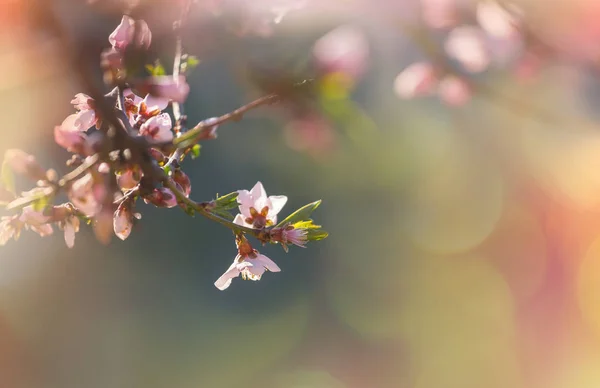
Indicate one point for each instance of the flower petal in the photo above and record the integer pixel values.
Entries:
(258, 191)
(225, 280)
(277, 203)
(267, 263)
(69, 235)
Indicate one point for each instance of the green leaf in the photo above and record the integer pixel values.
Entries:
(316, 234)
(41, 203)
(189, 62)
(195, 151)
(8, 178)
(167, 169)
(302, 214)
(156, 69)
(223, 213)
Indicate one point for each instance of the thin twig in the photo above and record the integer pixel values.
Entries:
(236, 115)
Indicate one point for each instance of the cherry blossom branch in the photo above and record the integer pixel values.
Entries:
(202, 209)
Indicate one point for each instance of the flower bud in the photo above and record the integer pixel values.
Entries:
(162, 197)
(183, 181)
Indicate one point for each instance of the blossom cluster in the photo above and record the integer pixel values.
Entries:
(125, 147)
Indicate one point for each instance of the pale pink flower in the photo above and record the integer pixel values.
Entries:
(123, 222)
(87, 116)
(82, 195)
(125, 33)
(129, 178)
(417, 80)
(439, 13)
(496, 20)
(158, 128)
(251, 267)
(344, 50)
(454, 91)
(24, 164)
(257, 210)
(10, 228)
(155, 103)
(162, 197)
(69, 134)
(310, 133)
(165, 86)
(36, 221)
(468, 46)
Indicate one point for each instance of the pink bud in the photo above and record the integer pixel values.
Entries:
(24, 164)
(126, 32)
(417, 80)
(123, 222)
(183, 181)
(162, 197)
(103, 225)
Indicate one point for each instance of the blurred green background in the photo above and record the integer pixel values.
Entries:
(464, 246)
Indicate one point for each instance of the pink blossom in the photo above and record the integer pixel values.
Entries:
(10, 228)
(310, 133)
(165, 86)
(344, 50)
(155, 102)
(125, 33)
(454, 91)
(24, 164)
(82, 194)
(251, 266)
(257, 210)
(36, 221)
(417, 80)
(467, 45)
(162, 197)
(158, 128)
(69, 134)
(123, 222)
(439, 13)
(128, 179)
(87, 116)
(496, 20)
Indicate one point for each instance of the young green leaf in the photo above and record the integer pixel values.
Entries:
(302, 214)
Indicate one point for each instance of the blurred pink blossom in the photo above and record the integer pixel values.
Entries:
(417, 80)
(125, 33)
(344, 50)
